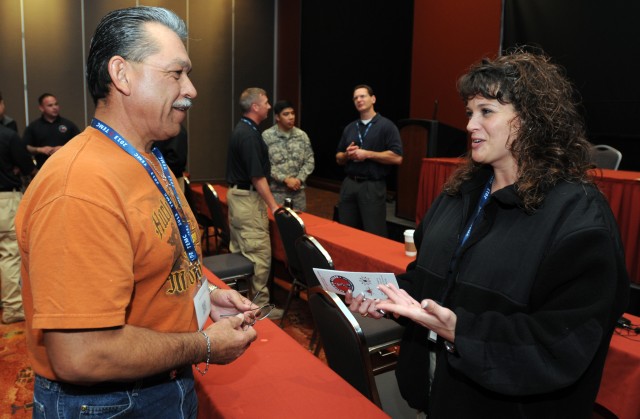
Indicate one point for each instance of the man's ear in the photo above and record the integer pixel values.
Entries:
(118, 68)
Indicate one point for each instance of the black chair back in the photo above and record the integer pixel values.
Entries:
(343, 342)
(291, 227)
(312, 255)
(203, 221)
(218, 219)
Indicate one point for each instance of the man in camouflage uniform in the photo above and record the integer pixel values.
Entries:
(291, 157)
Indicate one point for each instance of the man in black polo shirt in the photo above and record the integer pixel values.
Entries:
(13, 154)
(47, 134)
(248, 172)
(368, 148)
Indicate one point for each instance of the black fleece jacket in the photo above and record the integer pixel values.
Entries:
(536, 296)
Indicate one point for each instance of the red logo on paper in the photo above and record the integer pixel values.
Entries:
(341, 283)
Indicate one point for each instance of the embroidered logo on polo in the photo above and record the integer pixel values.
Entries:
(62, 128)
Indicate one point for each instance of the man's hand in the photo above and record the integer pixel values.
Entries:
(229, 339)
(293, 183)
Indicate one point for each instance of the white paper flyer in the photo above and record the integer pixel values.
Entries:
(358, 282)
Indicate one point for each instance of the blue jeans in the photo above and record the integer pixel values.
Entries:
(168, 399)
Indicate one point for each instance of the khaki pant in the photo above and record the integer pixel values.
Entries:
(249, 227)
(9, 254)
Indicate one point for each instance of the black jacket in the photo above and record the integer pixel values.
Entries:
(536, 298)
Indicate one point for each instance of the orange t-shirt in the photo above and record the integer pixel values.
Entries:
(101, 248)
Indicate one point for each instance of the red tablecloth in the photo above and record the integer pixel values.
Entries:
(621, 376)
(622, 189)
(277, 378)
(350, 249)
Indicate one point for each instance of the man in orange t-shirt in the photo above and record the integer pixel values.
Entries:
(114, 296)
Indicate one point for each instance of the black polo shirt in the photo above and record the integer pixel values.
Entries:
(13, 153)
(248, 155)
(42, 133)
(380, 134)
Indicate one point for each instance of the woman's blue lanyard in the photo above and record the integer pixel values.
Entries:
(362, 136)
(483, 200)
(183, 227)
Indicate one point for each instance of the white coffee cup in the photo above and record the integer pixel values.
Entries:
(409, 245)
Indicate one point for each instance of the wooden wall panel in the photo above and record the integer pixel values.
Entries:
(211, 118)
(11, 80)
(53, 45)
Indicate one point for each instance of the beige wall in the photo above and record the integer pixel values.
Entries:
(231, 44)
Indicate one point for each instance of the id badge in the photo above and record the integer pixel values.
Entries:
(202, 303)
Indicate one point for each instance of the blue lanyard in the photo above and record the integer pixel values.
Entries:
(483, 200)
(362, 136)
(248, 122)
(183, 227)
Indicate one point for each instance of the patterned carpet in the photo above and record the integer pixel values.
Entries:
(16, 376)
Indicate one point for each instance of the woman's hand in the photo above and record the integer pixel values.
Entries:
(427, 313)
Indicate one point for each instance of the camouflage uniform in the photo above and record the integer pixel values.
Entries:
(291, 156)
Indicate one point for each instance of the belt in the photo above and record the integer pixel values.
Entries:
(360, 178)
(113, 386)
(243, 186)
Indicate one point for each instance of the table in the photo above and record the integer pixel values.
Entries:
(277, 378)
(621, 375)
(622, 189)
(351, 249)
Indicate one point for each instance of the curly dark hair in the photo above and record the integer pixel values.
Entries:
(551, 143)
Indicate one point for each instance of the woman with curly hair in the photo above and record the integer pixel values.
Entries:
(520, 273)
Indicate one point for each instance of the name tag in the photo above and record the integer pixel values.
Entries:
(202, 304)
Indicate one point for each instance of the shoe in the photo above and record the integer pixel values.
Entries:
(276, 314)
(12, 316)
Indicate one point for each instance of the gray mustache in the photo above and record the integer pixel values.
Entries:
(185, 103)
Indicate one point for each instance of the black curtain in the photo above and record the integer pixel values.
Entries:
(598, 43)
(345, 43)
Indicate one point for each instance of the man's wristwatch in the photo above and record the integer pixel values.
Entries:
(212, 287)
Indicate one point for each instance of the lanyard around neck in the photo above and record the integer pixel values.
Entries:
(250, 123)
(481, 203)
(361, 137)
(183, 226)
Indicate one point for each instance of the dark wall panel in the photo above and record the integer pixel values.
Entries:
(598, 44)
(53, 44)
(11, 80)
(345, 43)
(254, 47)
(210, 120)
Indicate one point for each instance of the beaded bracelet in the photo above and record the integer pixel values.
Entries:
(206, 367)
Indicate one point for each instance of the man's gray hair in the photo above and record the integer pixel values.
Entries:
(122, 32)
(249, 96)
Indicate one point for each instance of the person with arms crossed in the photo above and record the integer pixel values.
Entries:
(114, 295)
(13, 154)
(520, 274)
(249, 196)
(290, 155)
(47, 134)
(368, 148)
